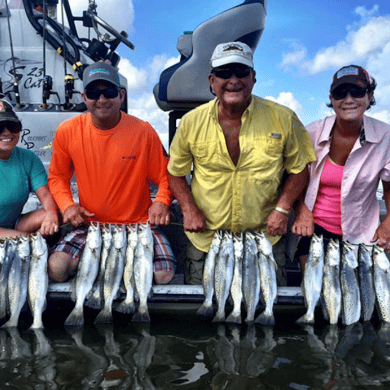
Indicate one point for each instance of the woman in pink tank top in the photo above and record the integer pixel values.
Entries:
(353, 154)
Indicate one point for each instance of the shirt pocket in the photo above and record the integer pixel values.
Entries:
(209, 158)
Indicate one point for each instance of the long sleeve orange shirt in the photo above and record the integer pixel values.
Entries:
(113, 168)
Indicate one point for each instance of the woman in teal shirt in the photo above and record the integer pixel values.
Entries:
(21, 172)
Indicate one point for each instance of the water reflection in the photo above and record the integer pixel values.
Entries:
(184, 352)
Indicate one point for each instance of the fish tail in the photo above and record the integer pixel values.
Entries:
(219, 317)
(205, 310)
(12, 322)
(142, 315)
(125, 307)
(305, 319)
(234, 318)
(104, 317)
(94, 302)
(37, 324)
(265, 319)
(75, 318)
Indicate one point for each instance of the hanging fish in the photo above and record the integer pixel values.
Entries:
(250, 276)
(223, 275)
(18, 280)
(86, 275)
(208, 275)
(143, 271)
(113, 274)
(312, 278)
(38, 279)
(127, 306)
(267, 269)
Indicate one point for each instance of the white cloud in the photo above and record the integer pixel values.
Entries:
(286, 99)
(361, 43)
(141, 101)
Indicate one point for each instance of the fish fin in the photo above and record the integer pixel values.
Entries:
(233, 318)
(205, 310)
(75, 318)
(265, 319)
(141, 316)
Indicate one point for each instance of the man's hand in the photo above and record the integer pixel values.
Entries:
(76, 215)
(194, 220)
(303, 224)
(277, 223)
(49, 225)
(382, 235)
(159, 214)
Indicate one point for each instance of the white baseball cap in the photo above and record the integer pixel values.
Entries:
(232, 52)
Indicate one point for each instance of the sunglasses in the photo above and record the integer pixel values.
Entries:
(342, 92)
(108, 93)
(227, 73)
(14, 128)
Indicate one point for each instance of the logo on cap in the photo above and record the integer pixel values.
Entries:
(232, 46)
(98, 70)
(347, 72)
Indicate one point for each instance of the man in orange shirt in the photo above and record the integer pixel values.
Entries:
(115, 156)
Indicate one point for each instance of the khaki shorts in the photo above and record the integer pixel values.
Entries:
(195, 259)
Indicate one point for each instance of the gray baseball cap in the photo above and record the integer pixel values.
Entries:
(100, 71)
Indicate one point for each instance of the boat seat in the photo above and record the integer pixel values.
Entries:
(185, 85)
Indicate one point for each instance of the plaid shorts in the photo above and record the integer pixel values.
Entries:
(164, 260)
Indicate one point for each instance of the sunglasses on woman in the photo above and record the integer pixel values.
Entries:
(108, 93)
(227, 73)
(342, 92)
(14, 128)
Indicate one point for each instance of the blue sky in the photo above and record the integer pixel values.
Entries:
(303, 44)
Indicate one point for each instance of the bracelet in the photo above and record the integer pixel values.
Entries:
(283, 211)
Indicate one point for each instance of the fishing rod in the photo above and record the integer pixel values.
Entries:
(15, 80)
(68, 78)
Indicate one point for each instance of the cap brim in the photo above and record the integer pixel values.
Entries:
(9, 118)
(231, 60)
(347, 80)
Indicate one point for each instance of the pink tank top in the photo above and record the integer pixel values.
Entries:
(327, 209)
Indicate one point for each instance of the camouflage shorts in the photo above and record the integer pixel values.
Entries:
(194, 264)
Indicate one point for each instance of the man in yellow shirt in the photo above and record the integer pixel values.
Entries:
(239, 146)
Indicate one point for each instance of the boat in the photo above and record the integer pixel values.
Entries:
(43, 95)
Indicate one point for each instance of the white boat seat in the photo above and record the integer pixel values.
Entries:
(185, 84)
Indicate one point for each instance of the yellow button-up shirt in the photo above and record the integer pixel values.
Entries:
(241, 197)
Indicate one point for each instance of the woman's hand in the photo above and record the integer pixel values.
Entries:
(382, 235)
(303, 224)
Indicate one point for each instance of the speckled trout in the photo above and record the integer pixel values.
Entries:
(114, 272)
(206, 309)
(382, 282)
(38, 279)
(312, 278)
(86, 274)
(331, 282)
(18, 280)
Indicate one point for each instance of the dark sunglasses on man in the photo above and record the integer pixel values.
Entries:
(13, 127)
(342, 91)
(227, 73)
(108, 93)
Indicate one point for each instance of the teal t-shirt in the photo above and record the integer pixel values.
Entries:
(21, 174)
